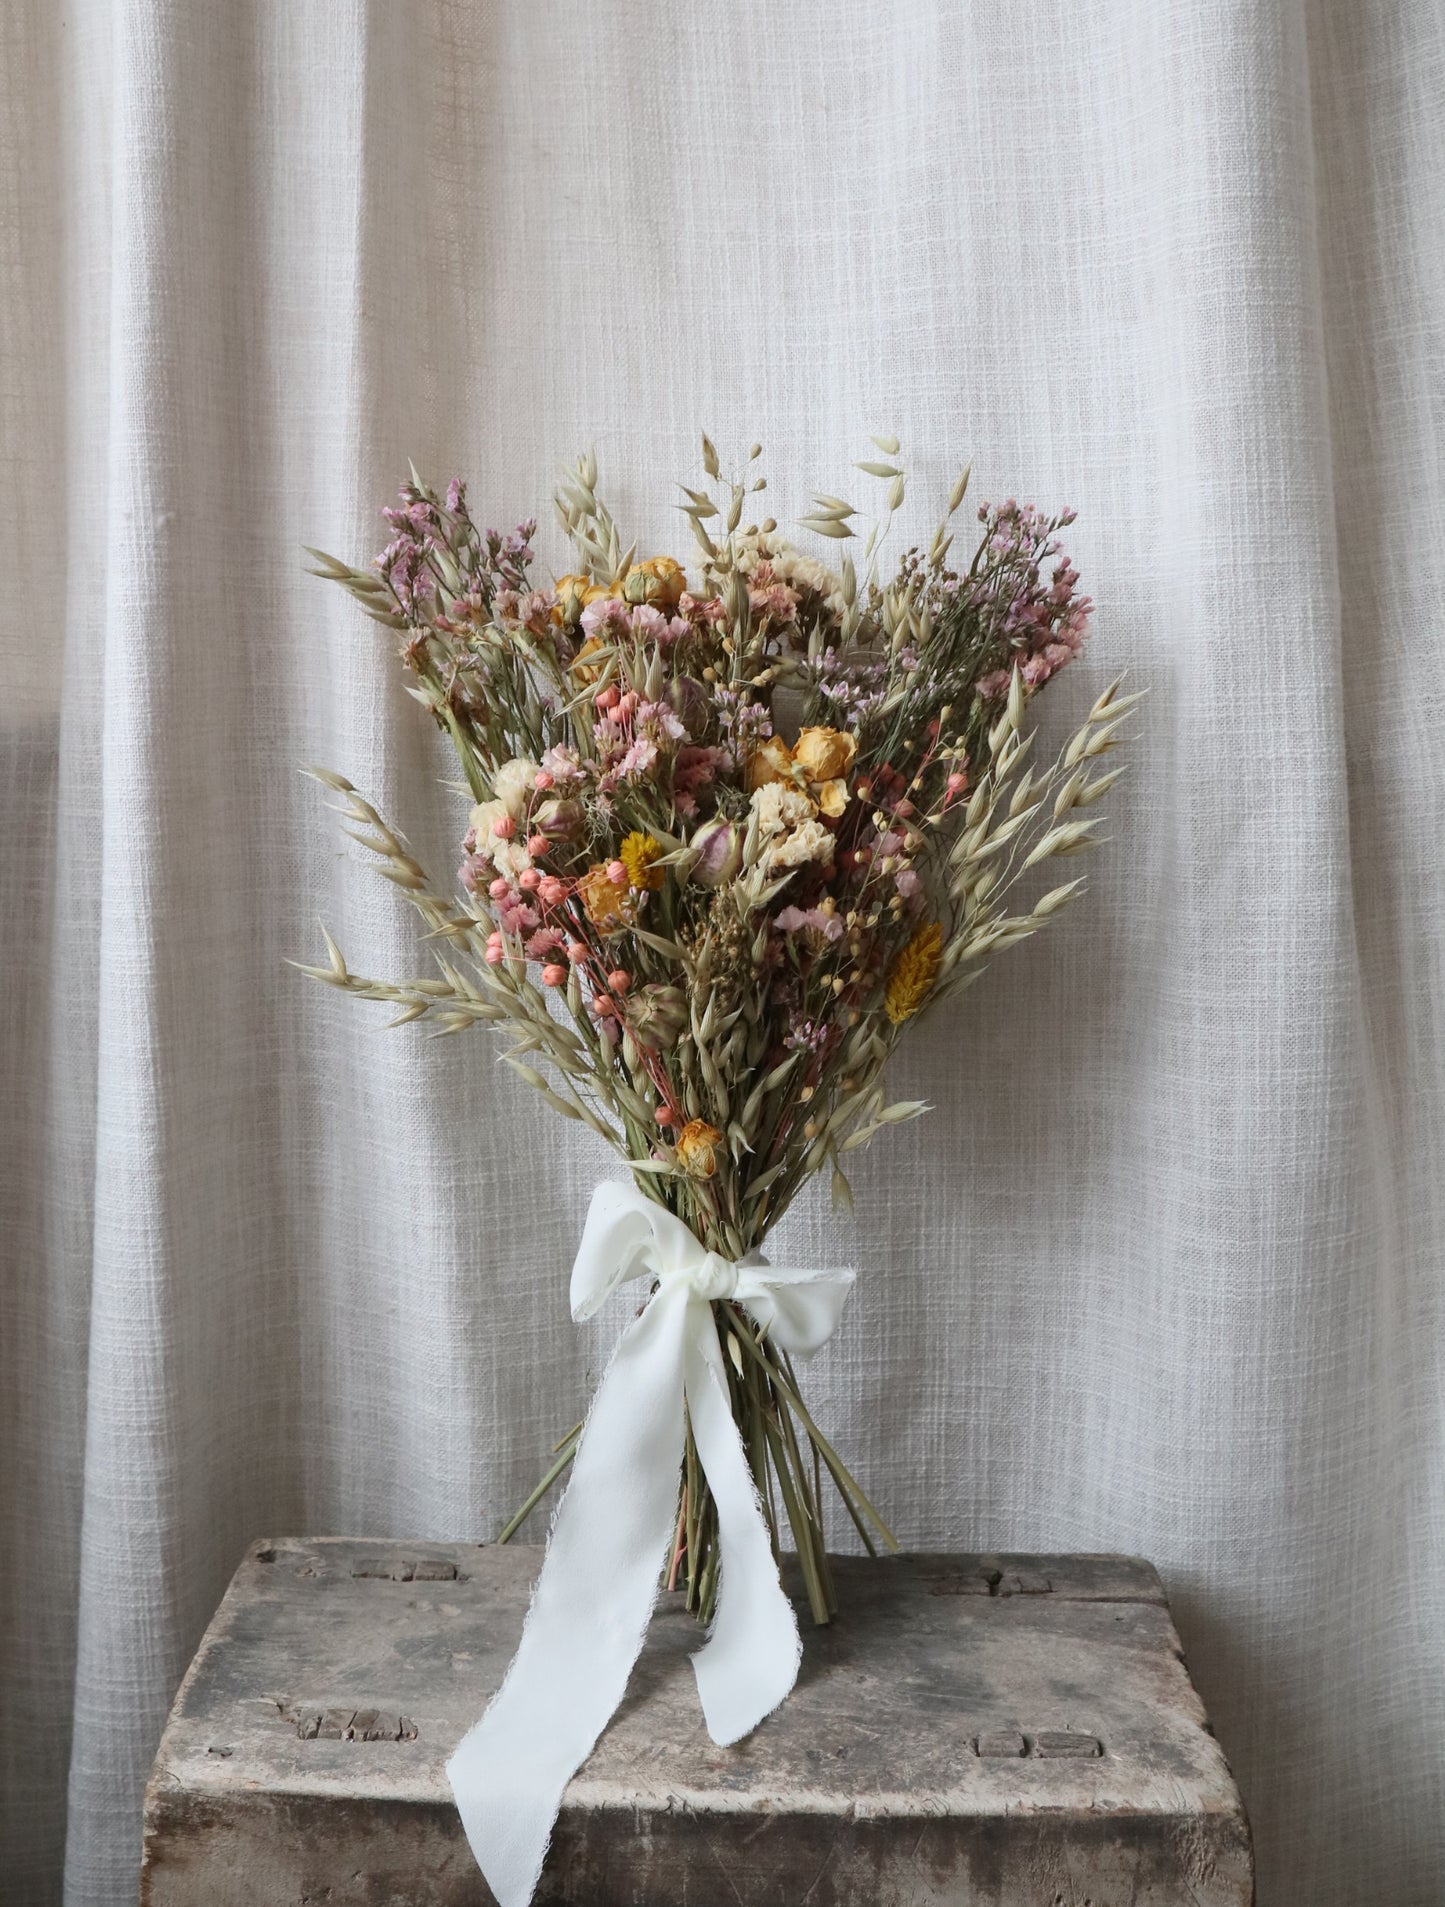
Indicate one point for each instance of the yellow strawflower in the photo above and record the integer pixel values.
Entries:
(638, 854)
(914, 972)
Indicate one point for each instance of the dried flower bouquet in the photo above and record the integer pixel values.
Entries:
(732, 833)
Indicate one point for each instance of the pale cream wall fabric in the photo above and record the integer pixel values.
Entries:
(1162, 1272)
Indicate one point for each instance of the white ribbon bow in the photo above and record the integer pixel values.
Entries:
(614, 1529)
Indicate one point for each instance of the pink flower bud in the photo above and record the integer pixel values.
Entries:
(603, 1004)
(617, 873)
(500, 888)
(552, 892)
(608, 699)
(504, 827)
(576, 952)
(553, 975)
(537, 844)
(544, 781)
(905, 808)
(495, 955)
(717, 853)
(626, 705)
(957, 783)
(666, 1116)
(620, 980)
(530, 878)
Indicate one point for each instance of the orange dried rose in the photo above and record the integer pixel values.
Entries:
(605, 902)
(697, 1146)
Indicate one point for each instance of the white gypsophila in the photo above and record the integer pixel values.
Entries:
(482, 818)
(511, 857)
(512, 784)
(790, 565)
(508, 854)
(806, 572)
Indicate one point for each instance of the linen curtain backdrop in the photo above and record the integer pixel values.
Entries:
(1161, 1272)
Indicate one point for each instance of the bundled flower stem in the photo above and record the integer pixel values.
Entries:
(731, 834)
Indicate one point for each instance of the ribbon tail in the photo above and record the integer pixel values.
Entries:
(749, 1662)
(589, 1611)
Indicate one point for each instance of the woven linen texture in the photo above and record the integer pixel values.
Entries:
(1162, 1271)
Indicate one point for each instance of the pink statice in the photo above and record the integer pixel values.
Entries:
(648, 623)
(695, 768)
(632, 735)
(517, 917)
(606, 616)
(796, 920)
(696, 610)
(529, 609)
(545, 942)
(640, 759)
(564, 767)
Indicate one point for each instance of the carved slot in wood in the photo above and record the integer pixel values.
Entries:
(387, 1569)
(1050, 1744)
(1065, 1745)
(353, 1724)
(993, 1582)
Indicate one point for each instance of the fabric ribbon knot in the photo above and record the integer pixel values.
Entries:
(615, 1526)
(714, 1278)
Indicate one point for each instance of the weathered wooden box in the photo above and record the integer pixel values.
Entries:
(1001, 1731)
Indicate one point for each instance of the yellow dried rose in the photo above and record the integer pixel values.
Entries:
(832, 798)
(586, 665)
(639, 854)
(914, 972)
(772, 761)
(697, 1146)
(659, 581)
(573, 595)
(824, 754)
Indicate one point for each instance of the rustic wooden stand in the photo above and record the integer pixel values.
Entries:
(1000, 1731)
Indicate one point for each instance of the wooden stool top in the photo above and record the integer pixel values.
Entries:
(988, 1729)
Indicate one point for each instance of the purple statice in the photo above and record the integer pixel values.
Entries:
(809, 1036)
(851, 681)
(506, 557)
(1029, 594)
(404, 565)
(743, 722)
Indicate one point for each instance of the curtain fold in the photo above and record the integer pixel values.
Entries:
(1163, 1266)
